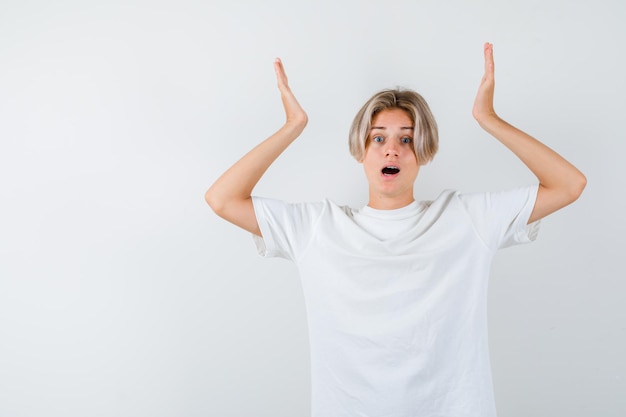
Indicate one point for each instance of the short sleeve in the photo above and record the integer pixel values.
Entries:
(500, 218)
(287, 228)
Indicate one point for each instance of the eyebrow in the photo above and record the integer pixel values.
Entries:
(383, 128)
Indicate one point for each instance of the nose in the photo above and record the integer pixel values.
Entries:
(391, 149)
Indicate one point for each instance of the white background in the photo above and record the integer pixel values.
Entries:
(122, 294)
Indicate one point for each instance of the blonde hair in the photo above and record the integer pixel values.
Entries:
(426, 136)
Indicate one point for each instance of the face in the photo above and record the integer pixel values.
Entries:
(390, 163)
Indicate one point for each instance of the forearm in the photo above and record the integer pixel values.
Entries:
(551, 169)
(560, 183)
(230, 195)
(239, 180)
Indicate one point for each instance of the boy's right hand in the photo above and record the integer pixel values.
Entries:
(293, 111)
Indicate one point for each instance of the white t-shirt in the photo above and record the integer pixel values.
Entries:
(397, 299)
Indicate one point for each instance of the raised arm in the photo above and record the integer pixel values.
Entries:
(230, 196)
(560, 183)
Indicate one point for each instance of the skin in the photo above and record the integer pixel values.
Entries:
(390, 143)
(230, 195)
(560, 183)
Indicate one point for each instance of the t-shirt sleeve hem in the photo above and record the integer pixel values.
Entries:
(528, 232)
(265, 245)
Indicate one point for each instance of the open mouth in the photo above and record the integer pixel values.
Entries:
(390, 170)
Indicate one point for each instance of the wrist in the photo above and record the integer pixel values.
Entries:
(489, 121)
(297, 122)
(293, 127)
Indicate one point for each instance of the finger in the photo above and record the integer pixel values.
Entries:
(280, 73)
(489, 64)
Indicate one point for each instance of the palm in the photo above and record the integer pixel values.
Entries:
(293, 110)
(483, 104)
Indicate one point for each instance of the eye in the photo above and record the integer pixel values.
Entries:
(377, 139)
(406, 140)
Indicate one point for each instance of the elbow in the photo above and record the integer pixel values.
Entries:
(577, 187)
(214, 201)
(224, 205)
(567, 191)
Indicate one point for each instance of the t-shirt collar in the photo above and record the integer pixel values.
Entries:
(400, 213)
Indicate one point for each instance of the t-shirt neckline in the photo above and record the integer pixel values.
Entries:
(409, 210)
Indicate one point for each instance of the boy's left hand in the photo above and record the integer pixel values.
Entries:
(483, 109)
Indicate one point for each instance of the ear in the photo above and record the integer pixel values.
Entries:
(363, 152)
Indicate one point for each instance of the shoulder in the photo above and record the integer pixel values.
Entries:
(512, 197)
(443, 200)
(488, 203)
(311, 209)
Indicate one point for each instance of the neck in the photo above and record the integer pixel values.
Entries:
(389, 203)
